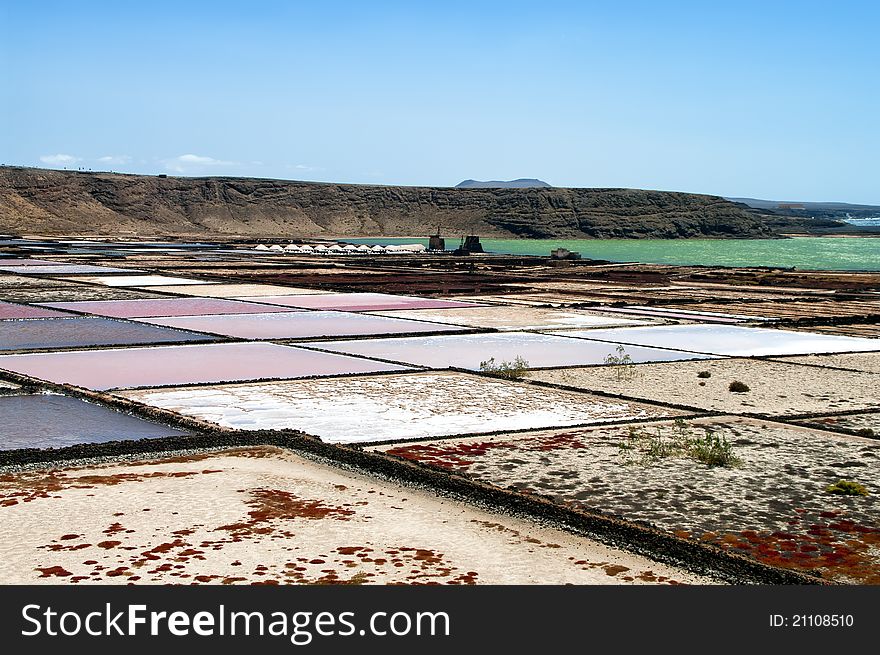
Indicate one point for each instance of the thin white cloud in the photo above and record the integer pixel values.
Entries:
(59, 159)
(190, 163)
(303, 167)
(114, 160)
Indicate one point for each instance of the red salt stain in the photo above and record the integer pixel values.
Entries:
(69, 536)
(614, 569)
(348, 550)
(51, 571)
(108, 544)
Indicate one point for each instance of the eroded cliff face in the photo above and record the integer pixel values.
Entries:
(37, 201)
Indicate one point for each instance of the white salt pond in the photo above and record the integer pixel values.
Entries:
(731, 340)
(390, 407)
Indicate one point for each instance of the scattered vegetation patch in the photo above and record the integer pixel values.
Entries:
(866, 432)
(738, 387)
(623, 363)
(713, 450)
(508, 370)
(847, 488)
(644, 447)
(704, 374)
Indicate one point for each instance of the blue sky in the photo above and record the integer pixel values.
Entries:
(767, 99)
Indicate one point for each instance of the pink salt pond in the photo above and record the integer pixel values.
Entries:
(359, 302)
(180, 365)
(22, 261)
(64, 269)
(164, 307)
(300, 324)
(11, 310)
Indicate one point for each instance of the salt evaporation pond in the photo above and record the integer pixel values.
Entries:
(361, 302)
(175, 365)
(468, 351)
(65, 269)
(239, 291)
(76, 332)
(300, 324)
(147, 308)
(513, 318)
(138, 280)
(388, 407)
(10, 310)
(54, 421)
(23, 261)
(732, 340)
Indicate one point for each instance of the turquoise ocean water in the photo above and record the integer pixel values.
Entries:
(807, 253)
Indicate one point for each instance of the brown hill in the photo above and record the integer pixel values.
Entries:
(38, 201)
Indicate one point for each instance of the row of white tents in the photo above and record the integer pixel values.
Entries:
(338, 249)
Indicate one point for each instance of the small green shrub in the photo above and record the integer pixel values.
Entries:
(710, 449)
(847, 488)
(865, 432)
(738, 387)
(624, 365)
(704, 374)
(508, 370)
(713, 450)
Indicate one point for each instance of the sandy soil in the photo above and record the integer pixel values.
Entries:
(776, 388)
(772, 505)
(869, 362)
(864, 422)
(385, 407)
(269, 517)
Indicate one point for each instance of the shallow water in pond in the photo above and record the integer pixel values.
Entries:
(167, 365)
(732, 340)
(52, 421)
(164, 307)
(360, 302)
(300, 324)
(76, 332)
(468, 351)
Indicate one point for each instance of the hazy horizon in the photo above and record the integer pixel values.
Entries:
(740, 100)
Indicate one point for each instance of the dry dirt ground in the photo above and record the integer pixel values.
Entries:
(771, 504)
(775, 388)
(266, 516)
